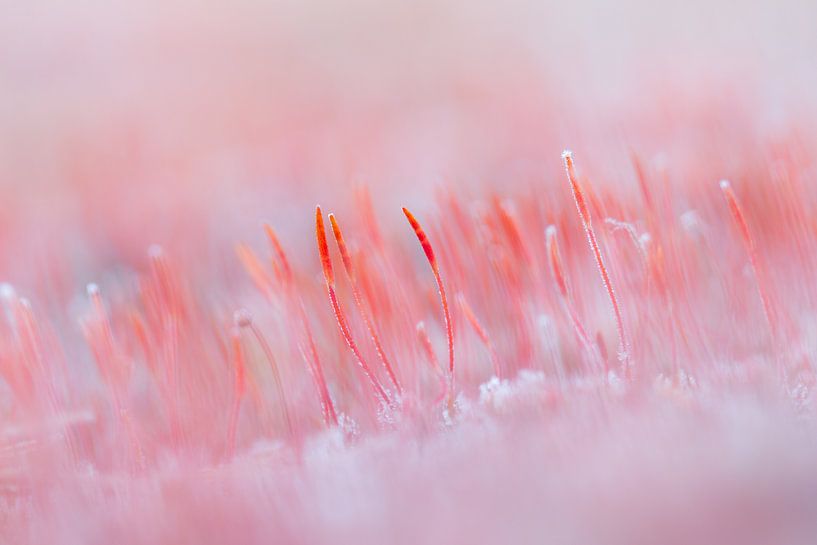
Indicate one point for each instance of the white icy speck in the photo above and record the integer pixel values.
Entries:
(690, 220)
(7, 291)
(500, 395)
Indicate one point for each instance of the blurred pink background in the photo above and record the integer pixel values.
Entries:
(134, 122)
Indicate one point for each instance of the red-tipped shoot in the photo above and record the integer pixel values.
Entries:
(751, 249)
(348, 267)
(435, 269)
(584, 215)
(329, 277)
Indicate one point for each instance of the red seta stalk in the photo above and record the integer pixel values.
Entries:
(329, 277)
(754, 258)
(310, 353)
(346, 259)
(481, 333)
(584, 215)
(435, 269)
(557, 270)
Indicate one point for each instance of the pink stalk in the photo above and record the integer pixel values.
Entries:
(584, 214)
(511, 228)
(244, 320)
(330, 414)
(557, 270)
(656, 260)
(751, 249)
(101, 340)
(286, 269)
(346, 259)
(239, 387)
(169, 306)
(481, 333)
(31, 339)
(629, 228)
(311, 356)
(435, 269)
(329, 277)
(428, 349)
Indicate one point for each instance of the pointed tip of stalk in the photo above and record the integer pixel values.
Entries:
(252, 265)
(411, 219)
(335, 227)
(323, 247)
(345, 258)
(409, 216)
(432, 261)
(725, 185)
(278, 250)
(422, 238)
(567, 155)
(92, 289)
